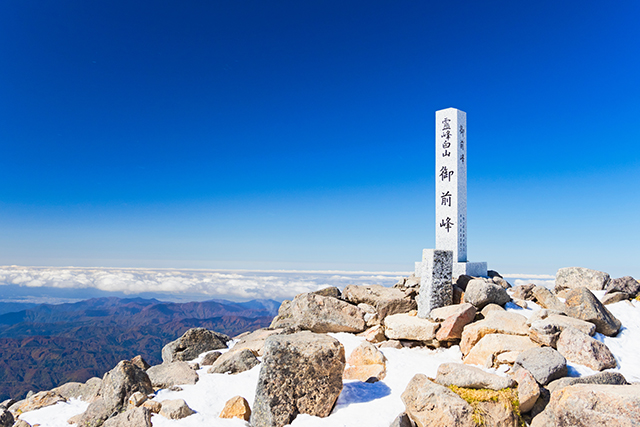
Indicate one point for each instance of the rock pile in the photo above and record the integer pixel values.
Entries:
(302, 368)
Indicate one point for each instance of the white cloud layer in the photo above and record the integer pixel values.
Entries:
(229, 284)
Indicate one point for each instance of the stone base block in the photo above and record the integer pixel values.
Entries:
(476, 269)
(436, 289)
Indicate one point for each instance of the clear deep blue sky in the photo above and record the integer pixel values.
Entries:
(300, 134)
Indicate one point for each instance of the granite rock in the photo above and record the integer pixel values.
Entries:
(116, 387)
(490, 346)
(578, 347)
(528, 389)
(497, 322)
(193, 343)
(234, 362)
(321, 314)
(466, 376)
(451, 328)
(210, 358)
(431, 404)
(406, 327)
(134, 417)
(366, 363)
(236, 407)
(615, 297)
(480, 293)
(386, 301)
(544, 363)
(524, 292)
(254, 341)
(607, 377)
(626, 284)
(579, 277)
(167, 375)
(175, 409)
(583, 305)
(301, 373)
(548, 300)
(589, 405)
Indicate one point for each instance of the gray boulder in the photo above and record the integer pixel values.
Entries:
(167, 375)
(578, 347)
(611, 378)
(234, 362)
(117, 385)
(134, 417)
(467, 376)
(301, 373)
(583, 305)
(578, 277)
(320, 314)
(386, 301)
(6, 418)
(175, 409)
(589, 405)
(626, 284)
(480, 293)
(193, 343)
(544, 363)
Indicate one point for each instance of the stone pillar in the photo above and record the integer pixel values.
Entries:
(436, 289)
(451, 190)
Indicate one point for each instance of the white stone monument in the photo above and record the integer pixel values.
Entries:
(451, 192)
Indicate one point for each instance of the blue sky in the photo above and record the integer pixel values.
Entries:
(299, 135)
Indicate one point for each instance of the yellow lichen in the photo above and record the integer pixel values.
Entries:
(508, 396)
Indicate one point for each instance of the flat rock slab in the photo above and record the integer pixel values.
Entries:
(301, 373)
(497, 322)
(491, 345)
(611, 378)
(386, 301)
(562, 322)
(578, 347)
(466, 376)
(167, 375)
(579, 277)
(406, 327)
(583, 305)
(544, 363)
(317, 313)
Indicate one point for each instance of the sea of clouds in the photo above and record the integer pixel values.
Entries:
(36, 284)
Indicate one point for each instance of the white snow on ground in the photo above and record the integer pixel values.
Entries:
(360, 404)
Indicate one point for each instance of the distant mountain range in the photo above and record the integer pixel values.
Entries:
(47, 345)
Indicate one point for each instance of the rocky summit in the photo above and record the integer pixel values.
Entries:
(499, 356)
